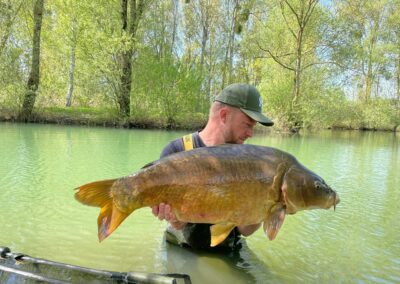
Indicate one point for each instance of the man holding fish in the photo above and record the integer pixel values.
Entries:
(233, 115)
(212, 195)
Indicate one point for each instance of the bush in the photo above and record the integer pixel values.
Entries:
(380, 113)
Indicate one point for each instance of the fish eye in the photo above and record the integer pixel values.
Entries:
(317, 185)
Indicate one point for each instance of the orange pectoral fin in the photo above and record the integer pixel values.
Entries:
(219, 232)
(274, 221)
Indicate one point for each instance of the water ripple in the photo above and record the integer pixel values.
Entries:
(356, 243)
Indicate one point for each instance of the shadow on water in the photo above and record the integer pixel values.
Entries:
(237, 266)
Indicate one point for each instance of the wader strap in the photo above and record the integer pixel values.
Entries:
(187, 142)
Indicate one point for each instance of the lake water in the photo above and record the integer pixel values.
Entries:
(40, 165)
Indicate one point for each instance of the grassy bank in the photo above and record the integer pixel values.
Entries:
(109, 118)
(103, 117)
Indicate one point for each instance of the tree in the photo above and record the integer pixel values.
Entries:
(11, 78)
(200, 27)
(166, 85)
(229, 51)
(73, 41)
(363, 24)
(34, 76)
(394, 55)
(129, 28)
(290, 39)
(304, 55)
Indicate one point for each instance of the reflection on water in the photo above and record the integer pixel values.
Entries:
(238, 266)
(359, 242)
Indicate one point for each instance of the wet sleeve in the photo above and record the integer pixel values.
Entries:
(172, 147)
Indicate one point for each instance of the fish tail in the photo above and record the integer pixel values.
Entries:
(99, 194)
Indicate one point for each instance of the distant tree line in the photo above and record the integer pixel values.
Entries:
(317, 63)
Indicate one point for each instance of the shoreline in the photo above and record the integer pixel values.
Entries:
(110, 121)
(96, 120)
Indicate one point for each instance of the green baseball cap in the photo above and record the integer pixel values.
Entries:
(247, 98)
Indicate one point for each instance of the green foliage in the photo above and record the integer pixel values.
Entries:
(80, 111)
(12, 83)
(175, 75)
(276, 88)
(174, 92)
(327, 109)
(380, 114)
(320, 106)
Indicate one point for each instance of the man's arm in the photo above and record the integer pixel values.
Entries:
(163, 212)
(247, 230)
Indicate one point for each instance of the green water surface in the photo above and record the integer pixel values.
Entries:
(40, 165)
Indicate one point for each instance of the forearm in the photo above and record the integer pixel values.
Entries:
(164, 212)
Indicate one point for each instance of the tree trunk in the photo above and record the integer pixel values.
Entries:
(72, 65)
(298, 68)
(136, 11)
(302, 16)
(227, 68)
(33, 80)
(397, 103)
(368, 82)
(398, 79)
(205, 35)
(175, 25)
(205, 32)
(371, 50)
(294, 118)
(369, 76)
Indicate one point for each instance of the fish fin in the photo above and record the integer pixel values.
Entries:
(219, 232)
(109, 219)
(98, 194)
(95, 193)
(274, 221)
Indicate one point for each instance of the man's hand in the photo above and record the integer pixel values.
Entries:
(164, 212)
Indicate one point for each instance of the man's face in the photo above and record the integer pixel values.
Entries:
(239, 126)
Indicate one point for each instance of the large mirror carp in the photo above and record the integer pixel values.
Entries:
(227, 185)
